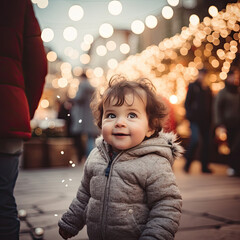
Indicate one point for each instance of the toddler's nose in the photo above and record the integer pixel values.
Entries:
(120, 122)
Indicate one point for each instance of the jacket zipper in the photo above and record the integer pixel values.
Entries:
(107, 170)
(106, 194)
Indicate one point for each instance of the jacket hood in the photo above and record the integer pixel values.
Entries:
(165, 145)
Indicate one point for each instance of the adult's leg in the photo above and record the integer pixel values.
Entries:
(234, 144)
(9, 222)
(205, 149)
(191, 149)
(90, 144)
(79, 146)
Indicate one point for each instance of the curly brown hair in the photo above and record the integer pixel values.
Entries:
(118, 88)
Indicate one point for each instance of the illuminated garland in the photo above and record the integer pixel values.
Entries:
(213, 43)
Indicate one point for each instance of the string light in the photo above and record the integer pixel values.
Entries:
(85, 58)
(47, 35)
(76, 13)
(51, 56)
(151, 21)
(70, 33)
(106, 30)
(173, 63)
(167, 12)
(115, 7)
(137, 27)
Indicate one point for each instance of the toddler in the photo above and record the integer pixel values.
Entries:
(128, 190)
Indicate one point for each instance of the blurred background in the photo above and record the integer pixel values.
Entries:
(167, 41)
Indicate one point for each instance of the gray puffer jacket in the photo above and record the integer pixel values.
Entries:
(137, 200)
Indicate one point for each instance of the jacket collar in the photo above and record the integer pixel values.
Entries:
(165, 145)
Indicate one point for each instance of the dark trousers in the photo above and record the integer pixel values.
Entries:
(83, 144)
(9, 222)
(80, 146)
(197, 134)
(233, 138)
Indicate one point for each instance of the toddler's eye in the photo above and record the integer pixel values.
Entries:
(110, 115)
(132, 115)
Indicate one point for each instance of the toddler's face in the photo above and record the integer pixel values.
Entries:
(125, 126)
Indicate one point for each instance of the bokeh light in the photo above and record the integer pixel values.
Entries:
(137, 27)
(75, 13)
(47, 34)
(70, 34)
(151, 21)
(167, 12)
(106, 30)
(51, 56)
(115, 7)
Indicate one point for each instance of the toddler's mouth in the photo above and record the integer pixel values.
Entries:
(120, 134)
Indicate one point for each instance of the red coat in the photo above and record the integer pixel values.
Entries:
(23, 67)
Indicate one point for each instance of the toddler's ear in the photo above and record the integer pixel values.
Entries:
(150, 132)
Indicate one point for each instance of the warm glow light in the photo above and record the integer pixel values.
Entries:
(151, 21)
(77, 71)
(115, 7)
(112, 63)
(111, 45)
(137, 27)
(47, 34)
(214, 42)
(213, 11)
(42, 3)
(88, 38)
(223, 149)
(167, 12)
(173, 99)
(85, 46)
(70, 34)
(183, 51)
(75, 13)
(55, 83)
(66, 67)
(215, 63)
(194, 19)
(85, 58)
(62, 82)
(51, 56)
(161, 67)
(106, 30)
(98, 72)
(101, 50)
(173, 3)
(124, 48)
(44, 103)
(223, 75)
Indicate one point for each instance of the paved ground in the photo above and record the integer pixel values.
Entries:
(211, 203)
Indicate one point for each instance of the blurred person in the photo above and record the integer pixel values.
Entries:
(64, 113)
(82, 123)
(198, 105)
(23, 67)
(227, 119)
(128, 190)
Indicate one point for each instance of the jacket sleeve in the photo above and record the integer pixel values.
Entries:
(34, 60)
(73, 220)
(164, 201)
